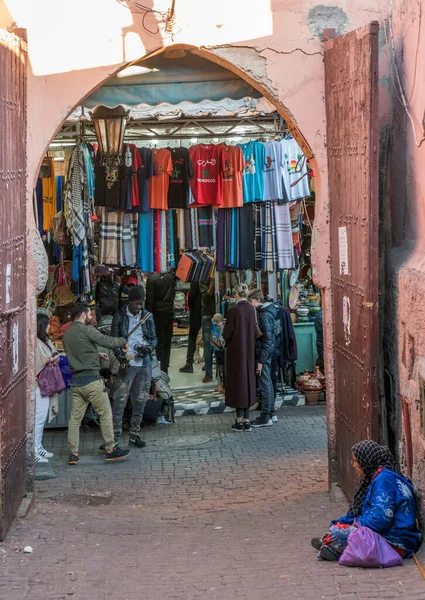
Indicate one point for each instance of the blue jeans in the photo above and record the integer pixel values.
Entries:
(265, 386)
(206, 338)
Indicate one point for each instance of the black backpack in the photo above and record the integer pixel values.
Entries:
(107, 296)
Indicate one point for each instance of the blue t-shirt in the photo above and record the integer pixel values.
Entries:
(254, 156)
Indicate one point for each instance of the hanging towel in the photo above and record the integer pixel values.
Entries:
(285, 253)
(157, 241)
(206, 239)
(194, 227)
(219, 244)
(246, 237)
(163, 245)
(172, 255)
(145, 250)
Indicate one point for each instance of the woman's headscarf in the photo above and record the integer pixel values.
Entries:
(370, 457)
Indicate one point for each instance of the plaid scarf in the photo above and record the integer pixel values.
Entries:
(370, 457)
(258, 237)
(268, 238)
(285, 253)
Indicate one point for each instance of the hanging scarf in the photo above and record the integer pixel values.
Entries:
(370, 457)
(284, 241)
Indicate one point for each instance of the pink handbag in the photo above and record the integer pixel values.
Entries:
(50, 380)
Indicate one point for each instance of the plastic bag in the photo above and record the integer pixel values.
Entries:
(366, 548)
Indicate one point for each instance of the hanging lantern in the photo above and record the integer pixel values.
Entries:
(109, 125)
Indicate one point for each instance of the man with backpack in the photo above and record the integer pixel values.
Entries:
(137, 326)
(264, 349)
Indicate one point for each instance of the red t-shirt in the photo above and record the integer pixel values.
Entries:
(207, 182)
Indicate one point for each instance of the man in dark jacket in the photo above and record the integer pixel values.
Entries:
(195, 322)
(137, 326)
(160, 293)
(264, 349)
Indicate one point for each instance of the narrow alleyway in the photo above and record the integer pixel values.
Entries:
(200, 513)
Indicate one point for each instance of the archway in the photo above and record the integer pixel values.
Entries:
(259, 86)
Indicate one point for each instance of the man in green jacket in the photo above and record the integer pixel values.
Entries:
(81, 343)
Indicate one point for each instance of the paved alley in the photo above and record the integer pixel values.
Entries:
(202, 512)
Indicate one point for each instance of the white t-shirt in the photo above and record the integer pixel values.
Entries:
(273, 172)
(295, 166)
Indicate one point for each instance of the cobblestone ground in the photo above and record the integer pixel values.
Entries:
(202, 512)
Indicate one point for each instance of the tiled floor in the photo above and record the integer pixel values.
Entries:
(184, 381)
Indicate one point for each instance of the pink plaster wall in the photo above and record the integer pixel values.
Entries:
(405, 229)
(275, 43)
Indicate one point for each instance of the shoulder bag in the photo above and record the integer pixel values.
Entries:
(258, 332)
(50, 380)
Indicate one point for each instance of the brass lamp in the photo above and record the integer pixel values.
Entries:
(109, 125)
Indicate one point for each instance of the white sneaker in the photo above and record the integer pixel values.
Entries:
(43, 452)
(275, 419)
(161, 420)
(40, 459)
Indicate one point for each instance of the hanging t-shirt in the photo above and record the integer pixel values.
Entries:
(178, 192)
(207, 182)
(232, 177)
(274, 188)
(295, 166)
(159, 182)
(144, 173)
(254, 155)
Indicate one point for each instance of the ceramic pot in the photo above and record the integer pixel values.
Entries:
(312, 384)
(305, 376)
(318, 374)
(311, 398)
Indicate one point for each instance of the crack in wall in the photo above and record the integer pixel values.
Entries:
(291, 51)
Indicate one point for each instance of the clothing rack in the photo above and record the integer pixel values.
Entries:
(176, 129)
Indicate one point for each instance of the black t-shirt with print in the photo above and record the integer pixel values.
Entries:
(178, 191)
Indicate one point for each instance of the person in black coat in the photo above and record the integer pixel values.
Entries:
(239, 335)
(160, 294)
(195, 322)
(264, 350)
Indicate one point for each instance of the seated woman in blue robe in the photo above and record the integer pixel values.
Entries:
(384, 501)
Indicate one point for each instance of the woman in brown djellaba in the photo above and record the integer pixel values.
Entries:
(239, 334)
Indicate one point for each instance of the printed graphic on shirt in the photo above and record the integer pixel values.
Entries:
(176, 176)
(294, 166)
(206, 170)
(249, 165)
(229, 171)
(269, 164)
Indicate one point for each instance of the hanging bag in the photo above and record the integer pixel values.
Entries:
(61, 293)
(368, 549)
(60, 230)
(50, 380)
